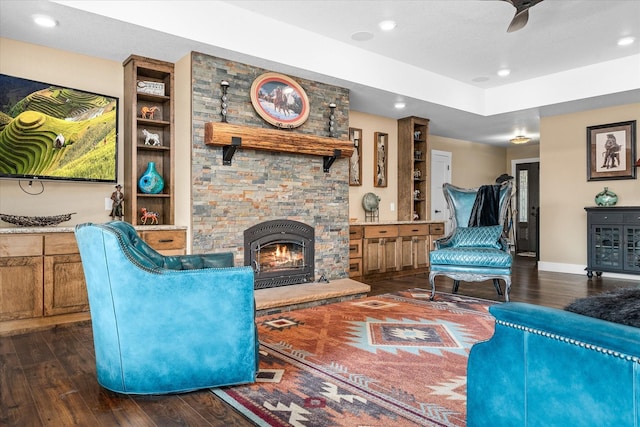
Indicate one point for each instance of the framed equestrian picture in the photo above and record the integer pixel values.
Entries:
(611, 151)
(279, 100)
(355, 162)
(380, 152)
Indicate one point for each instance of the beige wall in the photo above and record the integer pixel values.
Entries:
(370, 124)
(472, 164)
(518, 152)
(564, 189)
(76, 71)
(94, 75)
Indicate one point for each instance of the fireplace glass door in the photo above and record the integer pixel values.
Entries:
(281, 253)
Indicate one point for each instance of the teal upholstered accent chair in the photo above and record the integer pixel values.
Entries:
(166, 324)
(475, 250)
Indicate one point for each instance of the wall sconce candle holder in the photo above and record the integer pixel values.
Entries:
(332, 126)
(223, 100)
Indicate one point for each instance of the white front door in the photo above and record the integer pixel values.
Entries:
(440, 173)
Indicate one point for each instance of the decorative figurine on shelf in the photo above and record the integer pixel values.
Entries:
(151, 138)
(117, 208)
(416, 194)
(153, 216)
(148, 112)
(417, 174)
(416, 217)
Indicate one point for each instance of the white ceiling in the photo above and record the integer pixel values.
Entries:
(441, 60)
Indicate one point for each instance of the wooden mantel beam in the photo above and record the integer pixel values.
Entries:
(285, 141)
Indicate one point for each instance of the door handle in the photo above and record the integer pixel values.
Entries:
(437, 211)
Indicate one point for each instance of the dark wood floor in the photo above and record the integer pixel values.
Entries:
(47, 378)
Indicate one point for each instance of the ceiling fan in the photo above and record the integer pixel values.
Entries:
(522, 13)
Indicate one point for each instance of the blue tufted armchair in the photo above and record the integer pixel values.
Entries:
(475, 250)
(166, 324)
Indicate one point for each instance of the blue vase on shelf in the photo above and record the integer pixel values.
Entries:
(151, 181)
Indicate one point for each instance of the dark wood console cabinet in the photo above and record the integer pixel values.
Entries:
(613, 240)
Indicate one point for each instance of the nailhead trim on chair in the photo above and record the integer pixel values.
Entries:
(126, 252)
(578, 343)
(155, 270)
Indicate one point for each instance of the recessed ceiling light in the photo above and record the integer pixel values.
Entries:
(626, 41)
(504, 72)
(362, 36)
(480, 79)
(387, 25)
(45, 21)
(399, 105)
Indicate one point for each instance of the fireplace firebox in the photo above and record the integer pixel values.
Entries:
(281, 253)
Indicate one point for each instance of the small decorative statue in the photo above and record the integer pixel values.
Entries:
(151, 138)
(417, 174)
(117, 208)
(153, 216)
(148, 112)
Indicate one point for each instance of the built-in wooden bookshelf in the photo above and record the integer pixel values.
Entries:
(414, 180)
(148, 107)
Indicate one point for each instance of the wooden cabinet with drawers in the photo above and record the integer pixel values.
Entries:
(64, 287)
(42, 281)
(355, 251)
(379, 250)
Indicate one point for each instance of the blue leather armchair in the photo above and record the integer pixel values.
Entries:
(474, 252)
(166, 324)
(549, 367)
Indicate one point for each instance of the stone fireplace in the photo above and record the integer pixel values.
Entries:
(262, 186)
(281, 253)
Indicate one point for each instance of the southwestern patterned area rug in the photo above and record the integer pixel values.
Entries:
(391, 360)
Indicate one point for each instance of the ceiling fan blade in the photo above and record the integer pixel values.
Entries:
(519, 21)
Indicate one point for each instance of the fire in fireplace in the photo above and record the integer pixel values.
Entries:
(281, 253)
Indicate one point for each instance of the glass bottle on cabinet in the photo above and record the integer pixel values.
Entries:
(413, 176)
(149, 137)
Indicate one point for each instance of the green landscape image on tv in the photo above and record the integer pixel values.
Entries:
(56, 133)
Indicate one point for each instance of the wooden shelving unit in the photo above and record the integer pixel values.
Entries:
(414, 156)
(148, 106)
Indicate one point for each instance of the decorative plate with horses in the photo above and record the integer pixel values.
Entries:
(279, 100)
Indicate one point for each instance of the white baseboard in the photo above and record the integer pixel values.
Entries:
(557, 267)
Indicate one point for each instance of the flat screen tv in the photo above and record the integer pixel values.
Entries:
(51, 132)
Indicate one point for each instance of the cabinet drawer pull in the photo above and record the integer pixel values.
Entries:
(165, 240)
(382, 231)
(415, 230)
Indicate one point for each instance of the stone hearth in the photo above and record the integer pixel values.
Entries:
(293, 297)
